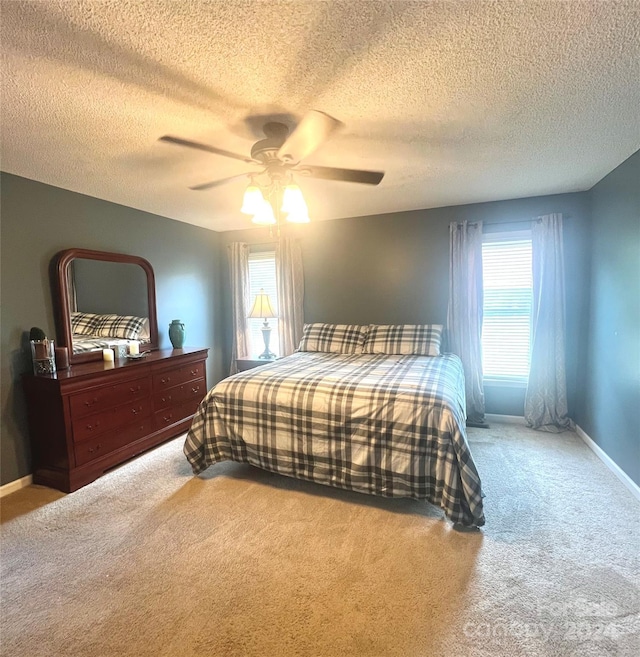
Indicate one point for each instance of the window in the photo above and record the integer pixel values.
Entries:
(262, 275)
(508, 294)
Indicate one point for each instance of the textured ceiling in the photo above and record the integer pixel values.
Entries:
(458, 102)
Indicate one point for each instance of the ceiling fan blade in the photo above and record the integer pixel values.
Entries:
(314, 129)
(217, 183)
(345, 175)
(205, 147)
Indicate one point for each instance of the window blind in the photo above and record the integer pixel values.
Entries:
(262, 275)
(508, 294)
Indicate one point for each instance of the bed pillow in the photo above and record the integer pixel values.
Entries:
(404, 339)
(333, 338)
(127, 327)
(84, 323)
(145, 334)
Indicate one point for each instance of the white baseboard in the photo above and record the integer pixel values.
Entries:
(505, 419)
(13, 486)
(610, 463)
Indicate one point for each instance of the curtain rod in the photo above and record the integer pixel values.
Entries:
(518, 221)
(250, 244)
(484, 223)
(500, 223)
(272, 243)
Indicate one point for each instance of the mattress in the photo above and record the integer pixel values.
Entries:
(384, 425)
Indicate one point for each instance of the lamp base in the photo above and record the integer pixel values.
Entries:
(267, 354)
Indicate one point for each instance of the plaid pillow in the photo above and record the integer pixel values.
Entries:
(416, 339)
(333, 338)
(119, 326)
(84, 323)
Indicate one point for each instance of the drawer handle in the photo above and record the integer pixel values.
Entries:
(195, 390)
(168, 418)
(97, 447)
(194, 372)
(91, 402)
(91, 427)
(165, 380)
(167, 398)
(135, 411)
(134, 389)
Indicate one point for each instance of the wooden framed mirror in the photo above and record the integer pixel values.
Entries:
(103, 297)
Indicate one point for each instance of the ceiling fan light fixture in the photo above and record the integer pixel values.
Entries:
(271, 201)
(264, 215)
(298, 218)
(253, 200)
(293, 201)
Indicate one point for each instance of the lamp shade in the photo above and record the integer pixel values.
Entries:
(264, 214)
(262, 306)
(252, 201)
(293, 202)
(298, 218)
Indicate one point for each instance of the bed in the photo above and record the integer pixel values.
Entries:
(91, 332)
(378, 423)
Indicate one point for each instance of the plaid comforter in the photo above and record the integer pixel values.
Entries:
(84, 343)
(379, 424)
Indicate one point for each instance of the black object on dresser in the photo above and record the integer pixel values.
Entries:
(94, 416)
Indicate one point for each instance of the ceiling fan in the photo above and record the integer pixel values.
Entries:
(282, 153)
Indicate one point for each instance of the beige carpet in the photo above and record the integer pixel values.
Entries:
(151, 561)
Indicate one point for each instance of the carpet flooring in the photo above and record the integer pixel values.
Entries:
(151, 561)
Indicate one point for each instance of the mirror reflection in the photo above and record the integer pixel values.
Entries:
(108, 304)
(104, 300)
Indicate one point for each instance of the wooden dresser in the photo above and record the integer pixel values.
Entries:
(96, 415)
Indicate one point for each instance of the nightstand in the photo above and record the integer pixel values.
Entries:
(249, 363)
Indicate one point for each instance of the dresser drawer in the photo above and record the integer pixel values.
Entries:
(179, 394)
(179, 375)
(86, 403)
(174, 414)
(118, 416)
(101, 445)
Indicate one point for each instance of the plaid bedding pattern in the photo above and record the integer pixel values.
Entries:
(84, 323)
(385, 425)
(126, 327)
(84, 343)
(119, 326)
(333, 338)
(418, 339)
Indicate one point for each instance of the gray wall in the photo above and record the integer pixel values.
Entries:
(37, 222)
(609, 402)
(394, 268)
(388, 268)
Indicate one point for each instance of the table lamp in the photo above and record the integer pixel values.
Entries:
(263, 309)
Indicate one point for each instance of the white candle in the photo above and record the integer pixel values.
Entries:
(108, 355)
(134, 348)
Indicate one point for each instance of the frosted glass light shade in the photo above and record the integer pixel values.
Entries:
(298, 217)
(293, 202)
(252, 201)
(264, 214)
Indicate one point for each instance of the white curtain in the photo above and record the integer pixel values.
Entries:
(464, 320)
(290, 280)
(239, 276)
(545, 405)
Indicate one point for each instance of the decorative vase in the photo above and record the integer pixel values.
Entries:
(176, 334)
